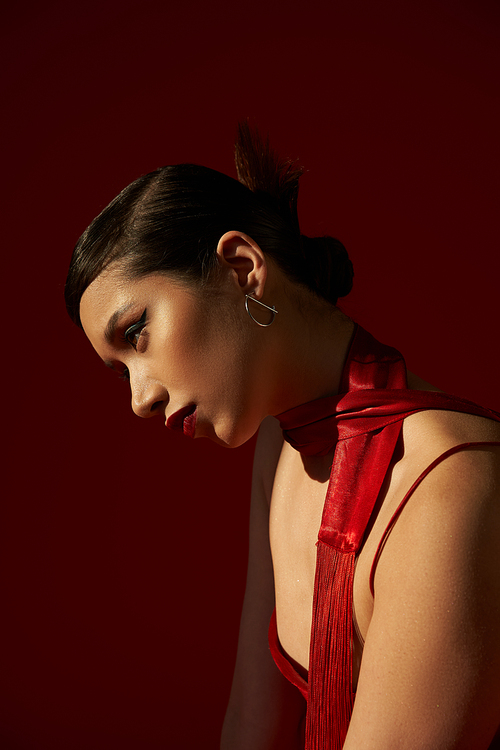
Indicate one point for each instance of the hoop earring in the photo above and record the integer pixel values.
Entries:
(271, 309)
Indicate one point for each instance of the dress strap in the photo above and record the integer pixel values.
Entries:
(397, 513)
(282, 660)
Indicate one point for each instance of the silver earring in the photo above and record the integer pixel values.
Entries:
(271, 309)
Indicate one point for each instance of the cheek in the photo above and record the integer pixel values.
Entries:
(235, 399)
(208, 357)
(217, 341)
(194, 354)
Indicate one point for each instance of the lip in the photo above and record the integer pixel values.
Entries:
(183, 420)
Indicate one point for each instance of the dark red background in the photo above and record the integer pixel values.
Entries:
(123, 547)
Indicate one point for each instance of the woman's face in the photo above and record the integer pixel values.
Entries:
(186, 352)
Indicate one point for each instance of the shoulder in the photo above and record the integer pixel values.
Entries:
(432, 647)
(446, 424)
(444, 428)
(428, 435)
(445, 491)
(457, 492)
(454, 466)
(440, 561)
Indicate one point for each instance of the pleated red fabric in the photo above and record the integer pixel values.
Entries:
(363, 424)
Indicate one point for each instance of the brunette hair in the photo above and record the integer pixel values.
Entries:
(171, 221)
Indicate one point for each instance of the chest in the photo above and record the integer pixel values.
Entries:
(296, 510)
(297, 504)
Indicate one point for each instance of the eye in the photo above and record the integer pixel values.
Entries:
(133, 332)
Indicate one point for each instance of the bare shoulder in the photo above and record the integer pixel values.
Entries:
(451, 524)
(428, 434)
(450, 427)
(456, 506)
(432, 653)
(467, 478)
(433, 431)
(459, 494)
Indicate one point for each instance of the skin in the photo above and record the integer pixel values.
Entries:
(429, 673)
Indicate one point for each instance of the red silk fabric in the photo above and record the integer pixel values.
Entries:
(362, 423)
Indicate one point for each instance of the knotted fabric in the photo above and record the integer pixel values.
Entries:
(362, 424)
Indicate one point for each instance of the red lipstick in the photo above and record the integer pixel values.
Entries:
(184, 420)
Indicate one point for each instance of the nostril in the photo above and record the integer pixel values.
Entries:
(156, 405)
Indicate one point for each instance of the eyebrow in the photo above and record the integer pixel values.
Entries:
(110, 330)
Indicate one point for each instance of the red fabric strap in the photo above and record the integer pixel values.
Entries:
(363, 426)
(282, 661)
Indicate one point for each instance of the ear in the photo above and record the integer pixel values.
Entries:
(244, 261)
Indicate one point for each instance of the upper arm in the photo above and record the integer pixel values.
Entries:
(430, 673)
(262, 702)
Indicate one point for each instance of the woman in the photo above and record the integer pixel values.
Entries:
(383, 599)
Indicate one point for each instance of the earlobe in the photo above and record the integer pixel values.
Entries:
(245, 262)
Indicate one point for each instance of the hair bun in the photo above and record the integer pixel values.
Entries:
(328, 266)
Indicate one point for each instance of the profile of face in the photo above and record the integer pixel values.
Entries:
(188, 351)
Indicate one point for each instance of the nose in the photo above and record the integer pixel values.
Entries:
(149, 397)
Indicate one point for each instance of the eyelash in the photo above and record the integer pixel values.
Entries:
(133, 330)
(129, 333)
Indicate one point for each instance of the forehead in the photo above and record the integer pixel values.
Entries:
(111, 291)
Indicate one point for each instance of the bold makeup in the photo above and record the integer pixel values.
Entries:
(134, 330)
(184, 420)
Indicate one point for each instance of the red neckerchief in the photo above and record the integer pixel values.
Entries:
(363, 424)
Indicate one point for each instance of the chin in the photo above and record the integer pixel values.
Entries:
(233, 436)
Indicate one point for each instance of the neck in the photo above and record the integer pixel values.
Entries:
(309, 352)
